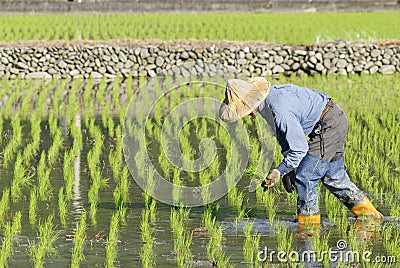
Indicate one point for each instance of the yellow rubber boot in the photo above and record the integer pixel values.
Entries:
(366, 208)
(313, 219)
(308, 225)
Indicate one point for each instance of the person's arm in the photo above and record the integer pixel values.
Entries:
(293, 142)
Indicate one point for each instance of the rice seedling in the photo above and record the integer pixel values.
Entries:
(33, 206)
(284, 238)
(121, 191)
(182, 239)
(43, 178)
(44, 247)
(112, 241)
(4, 206)
(68, 171)
(251, 245)
(62, 207)
(147, 252)
(79, 242)
(150, 204)
(21, 178)
(214, 248)
(10, 232)
(269, 200)
(15, 142)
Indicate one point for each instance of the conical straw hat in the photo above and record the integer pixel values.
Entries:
(242, 97)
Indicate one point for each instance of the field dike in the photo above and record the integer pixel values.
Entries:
(127, 58)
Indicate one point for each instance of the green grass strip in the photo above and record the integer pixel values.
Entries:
(289, 28)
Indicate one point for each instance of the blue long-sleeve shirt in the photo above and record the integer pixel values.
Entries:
(295, 112)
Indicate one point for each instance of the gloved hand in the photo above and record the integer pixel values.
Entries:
(271, 180)
(288, 181)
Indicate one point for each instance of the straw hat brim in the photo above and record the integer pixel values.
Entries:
(242, 97)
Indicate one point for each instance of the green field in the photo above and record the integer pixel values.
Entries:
(305, 28)
(62, 168)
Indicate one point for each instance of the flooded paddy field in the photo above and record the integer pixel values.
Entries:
(70, 196)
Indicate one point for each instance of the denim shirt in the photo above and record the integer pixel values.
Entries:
(295, 112)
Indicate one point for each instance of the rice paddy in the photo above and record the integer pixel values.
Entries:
(289, 28)
(69, 199)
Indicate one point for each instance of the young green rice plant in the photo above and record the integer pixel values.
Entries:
(10, 232)
(55, 148)
(4, 206)
(68, 171)
(320, 241)
(33, 206)
(333, 207)
(270, 203)
(150, 204)
(176, 191)
(62, 207)
(32, 148)
(251, 245)
(21, 179)
(182, 239)
(43, 175)
(15, 142)
(26, 102)
(121, 191)
(284, 237)
(79, 242)
(105, 114)
(44, 247)
(214, 248)
(112, 241)
(147, 253)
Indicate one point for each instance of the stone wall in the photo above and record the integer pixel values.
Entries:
(61, 61)
(157, 6)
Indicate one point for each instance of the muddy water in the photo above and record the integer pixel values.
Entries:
(130, 243)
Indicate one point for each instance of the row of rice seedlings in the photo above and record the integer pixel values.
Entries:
(215, 247)
(112, 241)
(182, 238)
(89, 103)
(69, 172)
(20, 179)
(62, 207)
(284, 238)
(79, 242)
(45, 189)
(93, 160)
(44, 246)
(391, 240)
(32, 148)
(27, 100)
(251, 245)
(11, 231)
(121, 191)
(4, 206)
(149, 215)
(57, 144)
(270, 203)
(33, 206)
(15, 142)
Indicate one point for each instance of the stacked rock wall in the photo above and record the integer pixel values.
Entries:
(105, 60)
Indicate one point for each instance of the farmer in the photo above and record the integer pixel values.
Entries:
(297, 113)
